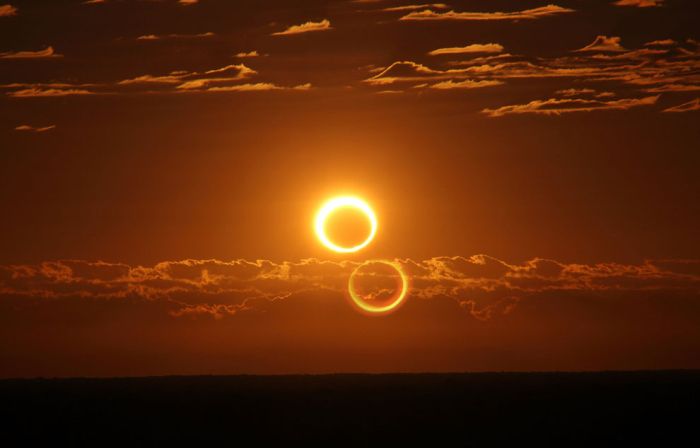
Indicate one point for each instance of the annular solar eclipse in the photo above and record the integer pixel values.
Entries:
(336, 204)
(362, 303)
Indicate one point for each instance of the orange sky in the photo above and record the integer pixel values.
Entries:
(533, 168)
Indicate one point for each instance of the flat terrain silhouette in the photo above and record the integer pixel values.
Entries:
(467, 409)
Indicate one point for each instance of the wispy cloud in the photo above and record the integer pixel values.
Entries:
(556, 106)
(47, 52)
(528, 14)
(307, 27)
(639, 3)
(690, 106)
(30, 128)
(473, 48)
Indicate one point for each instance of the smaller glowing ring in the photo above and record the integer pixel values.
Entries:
(400, 298)
(331, 206)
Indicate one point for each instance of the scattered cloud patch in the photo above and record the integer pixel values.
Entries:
(625, 73)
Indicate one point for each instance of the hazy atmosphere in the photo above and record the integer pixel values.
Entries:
(531, 168)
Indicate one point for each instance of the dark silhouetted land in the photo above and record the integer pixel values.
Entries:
(470, 409)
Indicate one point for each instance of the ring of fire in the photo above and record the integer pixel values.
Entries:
(400, 296)
(333, 205)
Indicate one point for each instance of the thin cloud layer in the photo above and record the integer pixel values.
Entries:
(323, 25)
(482, 285)
(528, 14)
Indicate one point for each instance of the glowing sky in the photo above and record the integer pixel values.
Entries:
(533, 168)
